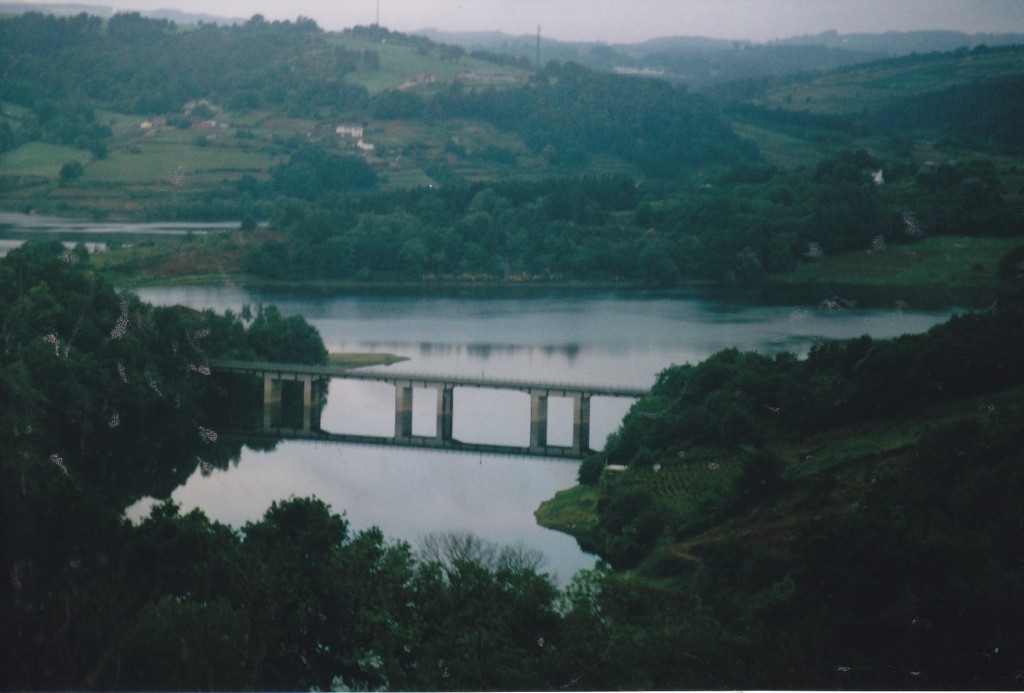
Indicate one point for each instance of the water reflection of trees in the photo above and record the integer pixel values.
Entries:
(485, 351)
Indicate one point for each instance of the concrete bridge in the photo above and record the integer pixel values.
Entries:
(312, 379)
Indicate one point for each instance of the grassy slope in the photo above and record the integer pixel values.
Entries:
(940, 261)
(40, 159)
(573, 511)
(400, 63)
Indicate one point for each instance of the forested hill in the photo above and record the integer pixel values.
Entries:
(147, 66)
(62, 69)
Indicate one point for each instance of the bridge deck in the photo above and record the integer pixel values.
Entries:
(425, 380)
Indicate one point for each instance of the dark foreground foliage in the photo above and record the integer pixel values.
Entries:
(897, 569)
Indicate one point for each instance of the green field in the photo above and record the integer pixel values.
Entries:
(783, 149)
(120, 123)
(572, 511)
(155, 160)
(40, 159)
(401, 64)
(943, 260)
(162, 165)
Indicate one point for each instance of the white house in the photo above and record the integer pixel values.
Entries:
(349, 131)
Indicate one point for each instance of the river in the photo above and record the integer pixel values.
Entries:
(593, 337)
(16, 228)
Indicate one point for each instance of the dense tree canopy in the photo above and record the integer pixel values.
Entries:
(571, 113)
(753, 221)
(138, 65)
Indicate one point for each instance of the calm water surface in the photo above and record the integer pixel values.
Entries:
(578, 337)
(15, 228)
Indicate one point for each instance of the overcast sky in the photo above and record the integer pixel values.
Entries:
(627, 21)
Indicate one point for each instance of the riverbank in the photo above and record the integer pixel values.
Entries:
(573, 511)
(952, 269)
(933, 271)
(947, 270)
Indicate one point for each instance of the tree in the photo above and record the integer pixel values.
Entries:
(312, 172)
(7, 137)
(631, 523)
(659, 269)
(71, 172)
(277, 338)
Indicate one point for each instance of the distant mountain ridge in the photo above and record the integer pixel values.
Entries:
(889, 43)
(702, 62)
(106, 11)
(904, 42)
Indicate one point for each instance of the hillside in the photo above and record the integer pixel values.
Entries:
(919, 109)
(824, 521)
(869, 86)
(154, 117)
(241, 106)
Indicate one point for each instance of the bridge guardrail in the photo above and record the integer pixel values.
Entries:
(226, 365)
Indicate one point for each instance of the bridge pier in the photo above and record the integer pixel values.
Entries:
(273, 386)
(403, 410)
(580, 422)
(404, 393)
(538, 420)
(445, 412)
(318, 399)
(271, 401)
(307, 402)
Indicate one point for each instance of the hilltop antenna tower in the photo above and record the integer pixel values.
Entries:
(538, 46)
(377, 23)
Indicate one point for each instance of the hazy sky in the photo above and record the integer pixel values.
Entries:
(628, 20)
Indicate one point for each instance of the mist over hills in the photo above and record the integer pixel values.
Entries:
(696, 61)
(701, 62)
(895, 43)
(890, 43)
(106, 11)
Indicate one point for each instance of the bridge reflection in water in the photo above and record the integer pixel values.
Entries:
(314, 378)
